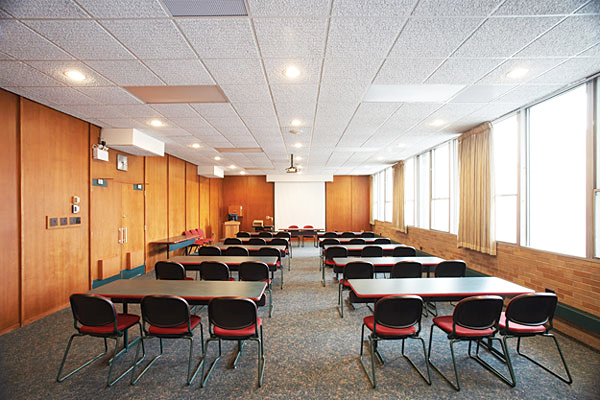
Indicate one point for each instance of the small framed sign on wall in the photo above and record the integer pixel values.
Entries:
(121, 162)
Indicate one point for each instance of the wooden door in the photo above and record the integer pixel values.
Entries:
(132, 223)
(105, 221)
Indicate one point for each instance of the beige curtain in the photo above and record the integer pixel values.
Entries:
(371, 188)
(476, 229)
(398, 213)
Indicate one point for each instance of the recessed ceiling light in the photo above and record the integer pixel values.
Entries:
(232, 166)
(196, 145)
(299, 166)
(296, 122)
(156, 123)
(517, 73)
(437, 122)
(299, 172)
(291, 72)
(298, 145)
(299, 158)
(217, 158)
(380, 158)
(75, 75)
(242, 172)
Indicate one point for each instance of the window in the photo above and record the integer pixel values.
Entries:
(505, 153)
(423, 191)
(557, 173)
(375, 192)
(389, 194)
(409, 192)
(383, 195)
(440, 188)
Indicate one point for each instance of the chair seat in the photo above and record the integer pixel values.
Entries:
(445, 324)
(124, 321)
(180, 329)
(249, 331)
(189, 278)
(518, 328)
(386, 331)
(345, 283)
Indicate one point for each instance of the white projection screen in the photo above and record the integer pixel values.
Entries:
(299, 203)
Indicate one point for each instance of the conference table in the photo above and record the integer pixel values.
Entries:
(357, 234)
(301, 232)
(345, 241)
(176, 242)
(254, 247)
(356, 249)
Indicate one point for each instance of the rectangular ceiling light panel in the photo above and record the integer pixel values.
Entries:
(239, 149)
(178, 94)
(206, 8)
(410, 93)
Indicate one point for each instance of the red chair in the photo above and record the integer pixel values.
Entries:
(294, 233)
(354, 270)
(194, 247)
(96, 316)
(202, 239)
(272, 252)
(310, 236)
(256, 271)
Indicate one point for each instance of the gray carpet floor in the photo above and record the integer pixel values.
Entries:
(310, 353)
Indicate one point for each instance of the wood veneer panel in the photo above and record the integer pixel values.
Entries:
(338, 203)
(54, 167)
(132, 209)
(156, 208)
(216, 206)
(192, 197)
(360, 195)
(105, 222)
(9, 212)
(176, 185)
(253, 193)
(204, 204)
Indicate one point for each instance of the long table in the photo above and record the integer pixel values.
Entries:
(301, 232)
(356, 249)
(385, 264)
(255, 247)
(176, 242)
(346, 241)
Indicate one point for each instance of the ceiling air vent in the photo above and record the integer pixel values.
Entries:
(206, 8)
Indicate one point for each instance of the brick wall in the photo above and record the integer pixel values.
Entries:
(576, 281)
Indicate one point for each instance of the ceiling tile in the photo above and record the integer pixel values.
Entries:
(126, 73)
(15, 34)
(279, 8)
(139, 110)
(347, 91)
(84, 39)
(181, 72)
(109, 95)
(43, 9)
(433, 37)
(481, 93)
(527, 93)
(546, 7)
(255, 109)
(175, 110)
(124, 8)
(99, 111)
(195, 124)
(291, 93)
(350, 70)
(239, 94)
(57, 69)
(235, 70)
(569, 71)
(593, 7)
(535, 67)
(593, 51)
(570, 37)
(486, 42)
(291, 37)
(450, 8)
(373, 8)
(361, 37)
(310, 69)
(220, 37)
(159, 39)
(15, 73)
(219, 110)
(463, 71)
(397, 71)
(121, 123)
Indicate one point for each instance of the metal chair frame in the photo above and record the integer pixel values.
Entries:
(360, 274)
(271, 251)
(257, 264)
(343, 252)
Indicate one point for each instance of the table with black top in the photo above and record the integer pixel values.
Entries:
(356, 249)
(192, 263)
(300, 233)
(385, 264)
(345, 241)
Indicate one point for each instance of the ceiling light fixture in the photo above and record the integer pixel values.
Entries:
(196, 145)
(242, 172)
(232, 166)
(291, 72)
(517, 73)
(217, 158)
(438, 122)
(156, 123)
(299, 158)
(298, 145)
(75, 75)
(296, 122)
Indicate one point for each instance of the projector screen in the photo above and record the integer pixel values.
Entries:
(299, 203)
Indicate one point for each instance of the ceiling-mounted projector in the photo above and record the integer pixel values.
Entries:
(291, 169)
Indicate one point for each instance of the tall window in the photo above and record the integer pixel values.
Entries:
(389, 194)
(409, 192)
(440, 188)
(375, 192)
(505, 147)
(423, 191)
(557, 173)
(383, 195)
(597, 182)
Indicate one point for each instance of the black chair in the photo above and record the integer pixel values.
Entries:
(451, 269)
(257, 241)
(347, 235)
(328, 256)
(236, 251)
(169, 270)
(404, 251)
(234, 318)
(474, 319)
(530, 315)
(272, 252)
(367, 235)
(330, 241)
(169, 317)
(243, 234)
(394, 318)
(354, 270)
(285, 235)
(209, 251)
(96, 316)
(357, 241)
(229, 241)
(382, 241)
(372, 251)
(257, 271)
(406, 269)
(215, 271)
(287, 251)
(265, 234)
(330, 235)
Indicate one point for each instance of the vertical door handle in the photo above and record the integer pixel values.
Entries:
(120, 235)
(125, 235)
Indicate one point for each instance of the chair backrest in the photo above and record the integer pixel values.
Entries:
(209, 251)
(253, 271)
(357, 241)
(330, 235)
(279, 242)
(335, 251)
(265, 234)
(382, 241)
(399, 312)
(200, 233)
(214, 271)
(308, 227)
(348, 235)
(451, 269)
(169, 270)
(232, 312)
(92, 310)
(407, 269)
(269, 252)
(243, 234)
(286, 235)
(330, 241)
(532, 309)
(293, 227)
(404, 251)
(359, 270)
(372, 251)
(232, 241)
(236, 251)
(257, 241)
(188, 233)
(165, 311)
(478, 312)
(367, 235)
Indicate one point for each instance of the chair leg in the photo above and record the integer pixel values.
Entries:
(370, 376)
(261, 358)
(117, 354)
(509, 381)
(281, 267)
(569, 379)
(270, 300)
(428, 378)
(214, 363)
(88, 362)
(240, 349)
(134, 379)
(455, 386)
(190, 378)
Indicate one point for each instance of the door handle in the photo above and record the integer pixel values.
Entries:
(121, 235)
(125, 235)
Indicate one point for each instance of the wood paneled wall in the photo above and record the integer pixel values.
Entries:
(253, 193)
(575, 280)
(10, 305)
(157, 223)
(176, 196)
(54, 167)
(192, 197)
(216, 206)
(347, 203)
(204, 205)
